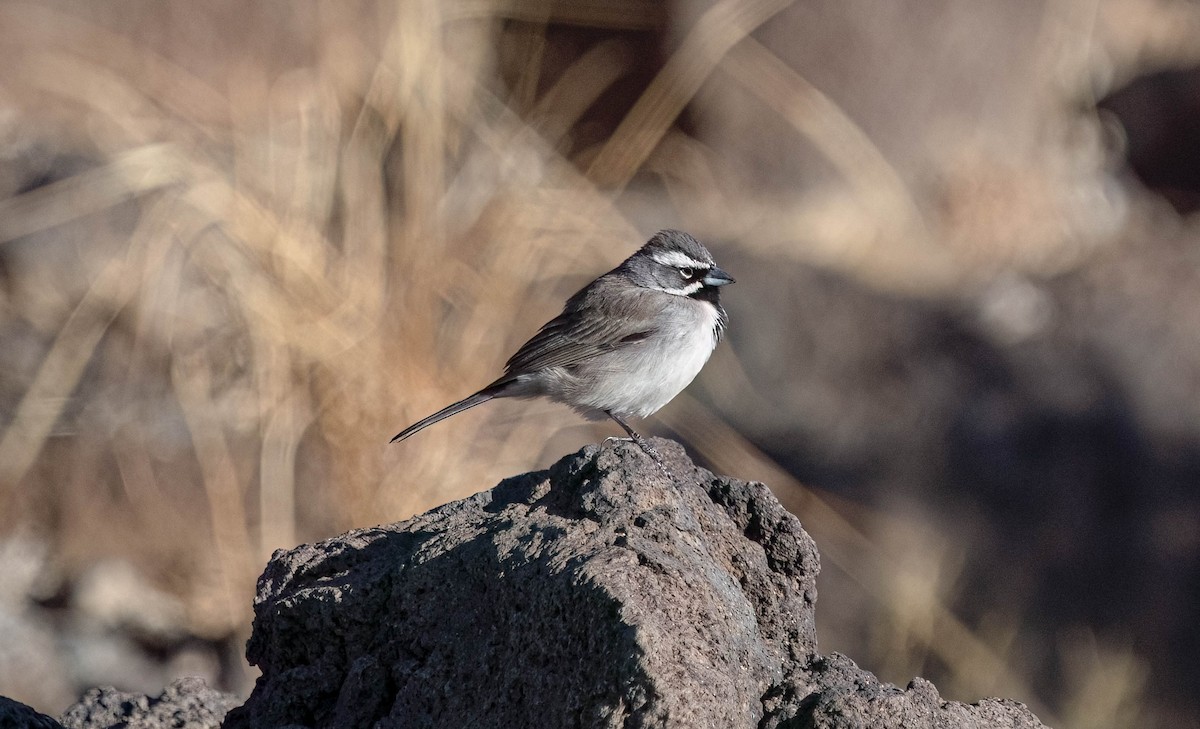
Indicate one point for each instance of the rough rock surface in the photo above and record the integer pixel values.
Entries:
(599, 593)
(837, 694)
(187, 703)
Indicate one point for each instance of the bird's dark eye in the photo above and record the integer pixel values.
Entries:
(687, 273)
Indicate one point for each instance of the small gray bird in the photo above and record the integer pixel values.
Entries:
(625, 344)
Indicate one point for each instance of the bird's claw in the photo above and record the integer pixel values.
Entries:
(652, 452)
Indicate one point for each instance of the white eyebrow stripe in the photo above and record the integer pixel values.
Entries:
(688, 290)
(678, 259)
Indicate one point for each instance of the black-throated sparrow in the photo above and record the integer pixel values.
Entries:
(625, 344)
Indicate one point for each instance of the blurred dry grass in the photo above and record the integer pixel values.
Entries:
(270, 237)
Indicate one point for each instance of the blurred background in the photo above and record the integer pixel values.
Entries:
(242, 245)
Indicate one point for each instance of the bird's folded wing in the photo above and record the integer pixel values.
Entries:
(577, 335)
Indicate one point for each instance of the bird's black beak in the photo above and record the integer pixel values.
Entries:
(717, 277)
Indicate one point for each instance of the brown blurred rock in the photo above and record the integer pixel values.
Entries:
(33, 669)
(597, 593)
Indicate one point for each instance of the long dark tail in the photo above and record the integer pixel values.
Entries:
(480, 397)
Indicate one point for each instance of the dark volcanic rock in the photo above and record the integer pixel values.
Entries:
(586, 595)
(599, 593)
(836, 694)
(185, 704)
(15, 715)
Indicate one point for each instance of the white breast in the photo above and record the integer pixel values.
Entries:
(639, 380)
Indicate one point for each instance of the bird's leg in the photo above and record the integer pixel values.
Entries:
(640, 441)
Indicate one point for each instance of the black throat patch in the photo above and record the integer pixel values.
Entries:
(711, 294)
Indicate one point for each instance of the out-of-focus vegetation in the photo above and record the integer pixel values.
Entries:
(241, 245)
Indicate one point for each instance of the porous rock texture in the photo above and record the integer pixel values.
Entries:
(187, 703)
(599, 593)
